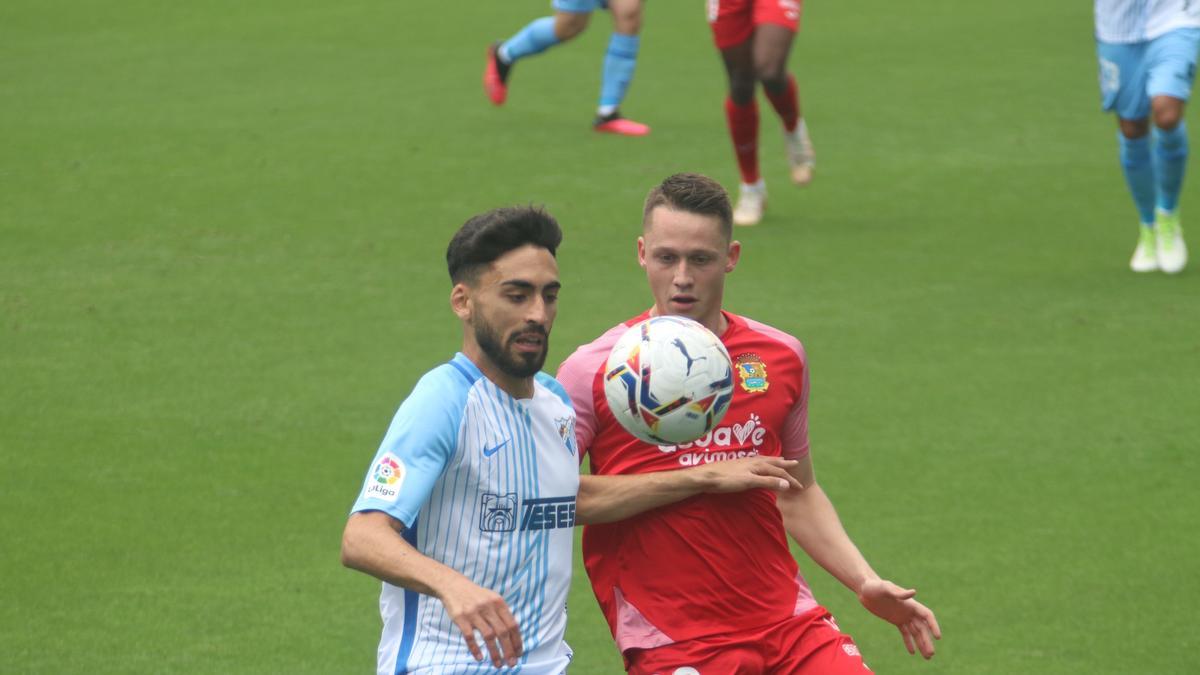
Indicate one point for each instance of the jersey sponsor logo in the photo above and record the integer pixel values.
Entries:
(386, 478)
(752, 371)
(488, 452)
(549, 513)
(711, 447)
(499, 513)
(686, 670)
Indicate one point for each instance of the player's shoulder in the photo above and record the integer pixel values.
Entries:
(449, 383)
(770, 337)
(547, 381)
(589, 358)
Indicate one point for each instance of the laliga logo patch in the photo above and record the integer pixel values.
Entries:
(753, 373)
(386, 479)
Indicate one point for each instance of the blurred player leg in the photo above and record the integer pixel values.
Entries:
(569, 20)
(741, 113)
(752, 193)
(733, 31)
(772, 44)
(1139, 176)
(1123, 80)
(1170, 161)
(620, 61)
(1172, 64)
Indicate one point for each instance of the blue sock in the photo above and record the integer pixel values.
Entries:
(535, 38)
(1139, 174)
(619, 62)
(1170, 160)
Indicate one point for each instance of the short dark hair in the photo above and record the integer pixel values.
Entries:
(693, 193)
(487, 236)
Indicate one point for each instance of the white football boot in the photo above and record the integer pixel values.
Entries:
(752, 201)
(1145, 256)
(800, 154)
(1172, 252)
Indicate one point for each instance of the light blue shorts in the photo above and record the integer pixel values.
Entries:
(1132, 74)
(579, 6)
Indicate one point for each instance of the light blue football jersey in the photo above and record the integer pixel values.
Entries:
(485, 484)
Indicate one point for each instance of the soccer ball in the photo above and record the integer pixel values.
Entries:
(668, 380)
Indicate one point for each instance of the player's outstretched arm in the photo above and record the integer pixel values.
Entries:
(810, 519)
(371, 543)
(605, 499)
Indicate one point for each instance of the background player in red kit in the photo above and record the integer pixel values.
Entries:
(709, 582)
(754, 38)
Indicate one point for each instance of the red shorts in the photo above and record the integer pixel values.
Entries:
(733, 21)
(810, 643)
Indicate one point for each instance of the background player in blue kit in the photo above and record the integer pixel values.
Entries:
(569, 20)
(467, 512)
(1147, 51)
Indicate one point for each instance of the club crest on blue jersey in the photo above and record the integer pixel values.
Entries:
(566, 429)
(752, 371)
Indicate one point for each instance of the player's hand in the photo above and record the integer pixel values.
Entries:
(896, 605)
(479, 610)
(748, 473)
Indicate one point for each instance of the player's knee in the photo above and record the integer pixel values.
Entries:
(741, 91)
(772, 73)
(569, 24)
(1167, 118)
(628, 20)
(1167, 112)
(1134, 128)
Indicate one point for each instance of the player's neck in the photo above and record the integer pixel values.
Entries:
(516, 387)
(717, 323)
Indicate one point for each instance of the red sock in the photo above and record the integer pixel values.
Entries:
(787, 104)
(743, 128)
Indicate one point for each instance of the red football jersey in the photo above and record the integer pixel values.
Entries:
(712, 563)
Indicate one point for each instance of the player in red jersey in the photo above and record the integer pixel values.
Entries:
(708, 582)
(754, 38)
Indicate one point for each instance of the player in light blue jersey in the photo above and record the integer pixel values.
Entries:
(569, 20)
(468, 510)
(1147, 52)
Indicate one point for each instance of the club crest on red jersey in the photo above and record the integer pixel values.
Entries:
(752, 372)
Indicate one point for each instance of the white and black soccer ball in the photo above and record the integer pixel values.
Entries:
(668, 380)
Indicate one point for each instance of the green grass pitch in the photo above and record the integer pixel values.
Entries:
(221, 237)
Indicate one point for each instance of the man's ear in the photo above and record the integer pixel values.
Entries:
(735, 254)
(460, 301)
